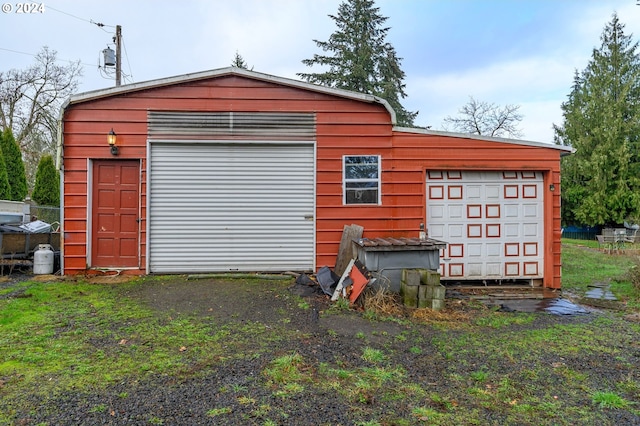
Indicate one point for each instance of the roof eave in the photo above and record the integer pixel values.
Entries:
(566, 149)
(145, 85)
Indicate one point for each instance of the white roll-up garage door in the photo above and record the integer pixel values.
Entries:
(231, 206)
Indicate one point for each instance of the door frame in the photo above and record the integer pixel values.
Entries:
(90, 197)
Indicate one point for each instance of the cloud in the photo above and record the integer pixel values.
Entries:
(273, 37)
(505, 52)
(538, 82)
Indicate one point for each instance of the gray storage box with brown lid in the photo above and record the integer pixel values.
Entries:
(389, 256)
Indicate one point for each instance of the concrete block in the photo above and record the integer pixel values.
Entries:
(409, 287)
(409, 295)
(411, 277)
(427, 294)
(429, 277)
(439, 292)
(423, 299)
(437, 304)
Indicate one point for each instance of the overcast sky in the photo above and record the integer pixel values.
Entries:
(521, 52)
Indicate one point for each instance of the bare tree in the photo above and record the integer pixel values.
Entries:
(30, 101)
(487, 119)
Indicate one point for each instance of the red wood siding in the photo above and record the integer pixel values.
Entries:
(340, 123)
(344, 127)
(413, 154)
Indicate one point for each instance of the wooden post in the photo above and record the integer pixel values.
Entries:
(345, 251)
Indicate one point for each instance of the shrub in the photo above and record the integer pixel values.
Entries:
(633, 274)
(5, 189)
(46, 191)
(14, 166)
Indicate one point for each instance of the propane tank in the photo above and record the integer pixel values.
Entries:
(43, 260)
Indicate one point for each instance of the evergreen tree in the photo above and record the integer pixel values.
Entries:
(14, 166)
(5, 188)
(360, 59)
(239, 62)
(601, 181)
(46, 191)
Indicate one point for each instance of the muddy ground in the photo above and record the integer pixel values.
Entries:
(323, 335)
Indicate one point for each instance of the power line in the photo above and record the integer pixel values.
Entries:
(91, 21)
(117, 38)
(35, 55)
(126, 55)
(16, 51)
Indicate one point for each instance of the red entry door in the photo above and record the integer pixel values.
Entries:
(115, 210)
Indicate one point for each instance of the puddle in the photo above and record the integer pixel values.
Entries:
(561, 307)
(557, 306)
(599, 295)
(600, 292)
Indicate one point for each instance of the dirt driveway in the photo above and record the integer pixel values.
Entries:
(266, 302)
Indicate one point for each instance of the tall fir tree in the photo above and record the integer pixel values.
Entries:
(46, 191)
(14, 165)
(358, 57)
(5, 188)
(601, 121)
(239, 62)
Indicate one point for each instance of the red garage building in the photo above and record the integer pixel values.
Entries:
(234, 170)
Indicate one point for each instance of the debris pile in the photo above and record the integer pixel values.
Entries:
(420, 288)
(349, 285)
(363, 261)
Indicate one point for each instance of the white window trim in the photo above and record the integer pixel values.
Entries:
(345, 180)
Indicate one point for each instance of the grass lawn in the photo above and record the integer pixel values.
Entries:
(582, 268)
(74, 344)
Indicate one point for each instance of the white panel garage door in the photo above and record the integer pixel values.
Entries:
(231, 207)
(492, 221)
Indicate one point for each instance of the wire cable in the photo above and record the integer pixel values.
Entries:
(35, 55)
(105, 73)
(91, 21)
(126, 55)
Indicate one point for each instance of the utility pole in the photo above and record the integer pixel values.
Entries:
(118, 39)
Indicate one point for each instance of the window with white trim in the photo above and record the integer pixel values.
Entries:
(361, 174)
